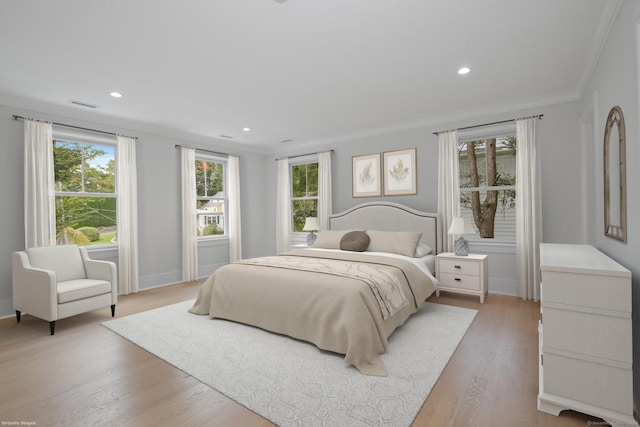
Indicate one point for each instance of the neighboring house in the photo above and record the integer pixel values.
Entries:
(212, 213)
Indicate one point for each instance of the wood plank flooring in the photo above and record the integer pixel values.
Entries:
(88, 375)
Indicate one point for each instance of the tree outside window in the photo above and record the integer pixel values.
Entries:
(210, 194)
(304, 193)
(487, 185)
(85, 195)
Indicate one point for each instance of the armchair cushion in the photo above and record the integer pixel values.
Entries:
(73, 290)
(64, 260)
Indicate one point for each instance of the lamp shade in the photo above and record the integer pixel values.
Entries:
(311, 224)
(460, 225)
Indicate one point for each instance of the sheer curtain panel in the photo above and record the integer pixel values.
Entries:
(189, 216)
(127, 213)
(448, 184)
(283, 207)
(39, 185)
(235, 227)
(324, 189)
(528, 210)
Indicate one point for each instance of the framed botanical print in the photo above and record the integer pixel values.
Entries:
(400, 172)
(366, 180)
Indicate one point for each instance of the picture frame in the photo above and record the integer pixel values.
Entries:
(366, 180)
(400, 172)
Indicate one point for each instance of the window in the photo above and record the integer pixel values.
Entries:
(304, 193)
(210, 195)
(488, 186)
(85, 192)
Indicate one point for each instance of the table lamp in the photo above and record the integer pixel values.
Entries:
(460, 226)
(311, 224)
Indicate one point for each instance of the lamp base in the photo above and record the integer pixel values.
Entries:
(311, 237)
(461, 247)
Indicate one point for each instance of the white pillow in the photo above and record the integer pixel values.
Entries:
(422, 250)
(395, 242)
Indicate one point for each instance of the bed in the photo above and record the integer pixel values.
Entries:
(344, 301)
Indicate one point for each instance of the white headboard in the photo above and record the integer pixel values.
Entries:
(388, 216)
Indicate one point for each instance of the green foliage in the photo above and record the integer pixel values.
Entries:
(212, 229)
(76, 212)
(209, 178)
(304, 180)
(92, 233)
(70, 235)
(76, 170)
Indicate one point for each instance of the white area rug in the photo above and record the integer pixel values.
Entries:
(292, 383)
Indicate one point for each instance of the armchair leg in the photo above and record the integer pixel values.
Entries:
(52, 327)
(113, 310)
(18, 313)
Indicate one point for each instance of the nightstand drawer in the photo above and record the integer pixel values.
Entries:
(459, 267)
(461, 281)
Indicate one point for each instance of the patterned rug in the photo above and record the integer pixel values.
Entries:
(293, 383)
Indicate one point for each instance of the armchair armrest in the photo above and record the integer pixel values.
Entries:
(34, 289)
(101, 270)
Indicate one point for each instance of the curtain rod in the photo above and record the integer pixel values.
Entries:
(302, 155)
(489, 124)
(208, 151)
(16, 117)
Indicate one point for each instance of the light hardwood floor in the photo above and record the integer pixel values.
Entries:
(88, 375)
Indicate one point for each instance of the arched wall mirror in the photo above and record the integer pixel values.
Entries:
(615, 177)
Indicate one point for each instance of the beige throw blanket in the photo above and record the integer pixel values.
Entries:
(335, 312)
(383, 280)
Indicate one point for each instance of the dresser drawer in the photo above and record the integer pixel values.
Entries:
(591, 334)
(459, 267)
(597, 384)
(462, 281)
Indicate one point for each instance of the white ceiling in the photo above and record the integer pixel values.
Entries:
(305, 70)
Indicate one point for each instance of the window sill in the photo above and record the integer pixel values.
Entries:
(205, 242)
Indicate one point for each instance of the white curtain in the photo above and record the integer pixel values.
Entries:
(189, 216)
(528, 210)
(127, 213)
(448, 184)
(235, 227)
(39, 185)
(324, 189)
(283, 207)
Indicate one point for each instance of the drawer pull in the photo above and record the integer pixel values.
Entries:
(457, 279)
(457, 266)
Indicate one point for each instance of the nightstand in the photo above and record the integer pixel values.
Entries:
(464, 274)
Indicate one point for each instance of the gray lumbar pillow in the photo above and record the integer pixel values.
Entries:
(356, 241)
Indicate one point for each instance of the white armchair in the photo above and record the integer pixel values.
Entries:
(55, 282)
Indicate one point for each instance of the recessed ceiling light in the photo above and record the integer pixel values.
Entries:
(464, 70)
(246, 129)
(116, 94)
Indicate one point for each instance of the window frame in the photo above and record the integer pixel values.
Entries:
(199, 156)
(305, 160)
(497, 132)
(91, 140)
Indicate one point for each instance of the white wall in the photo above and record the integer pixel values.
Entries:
(615, 81)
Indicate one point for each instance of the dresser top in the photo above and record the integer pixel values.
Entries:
(578, 259)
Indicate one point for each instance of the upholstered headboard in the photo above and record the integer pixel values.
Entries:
(388, 216)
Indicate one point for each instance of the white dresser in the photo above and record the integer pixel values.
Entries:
(585, 334)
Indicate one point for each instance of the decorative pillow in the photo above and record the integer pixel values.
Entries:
(356, 241)
(422, 250)
(395, 242)
(329, 239)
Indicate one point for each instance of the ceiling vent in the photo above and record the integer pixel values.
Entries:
(225, 136)
(284, 141)
(82, 104)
